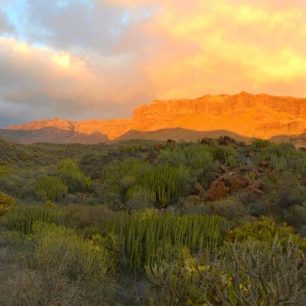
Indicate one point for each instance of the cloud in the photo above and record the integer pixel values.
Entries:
(101, 58)
(48, 83)
(4, 26)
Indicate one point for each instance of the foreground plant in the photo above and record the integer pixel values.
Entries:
(244, 274)
(148, 238)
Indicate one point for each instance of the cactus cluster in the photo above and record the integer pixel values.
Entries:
(148, 238)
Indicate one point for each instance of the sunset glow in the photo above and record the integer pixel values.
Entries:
(100, 59)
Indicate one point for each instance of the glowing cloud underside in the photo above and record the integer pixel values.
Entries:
(156, 49)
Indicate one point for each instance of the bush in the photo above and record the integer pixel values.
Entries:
(296, 217)
(148, 238)
(281, 157)
(64, 251)
(89, 219)
(230, 207)
(165, 183)
(226, 155)
(194, 156)
(260, 273)
(72, 176)
(22, 218)
(6, 203)
(50, 188)
(255, 273)
(283, 191)
(178, 281)
(266, 229)
(139, 198)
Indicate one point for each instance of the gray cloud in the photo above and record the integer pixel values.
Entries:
(4, 25)
(40, 83)
(80, 25)
(103, 39)
(101, 58)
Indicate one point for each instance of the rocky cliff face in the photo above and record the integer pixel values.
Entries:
(249, 115)
(262, 116)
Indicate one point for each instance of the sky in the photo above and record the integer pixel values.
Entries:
(86, 59)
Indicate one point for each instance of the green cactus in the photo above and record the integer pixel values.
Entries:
(148, 238)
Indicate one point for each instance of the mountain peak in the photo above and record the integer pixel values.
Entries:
(262, 116)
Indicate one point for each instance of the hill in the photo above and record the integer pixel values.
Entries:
(261, 116)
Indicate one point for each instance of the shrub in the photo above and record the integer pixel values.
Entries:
(282, 157)
(296, 217)
(6, 203)
(230, 207)
(148, 238)
(194, 156)
(260, 273)
(178, 281)
(50, 188)
(283, 190)
(72, 176)
(260, 143)
(164, 182)
(139, 198)
(225, 155)
(61, 253)
(255, 273)
(266, 229)
(3, 170)
(22, 218)
(62, 249)
(89, 219)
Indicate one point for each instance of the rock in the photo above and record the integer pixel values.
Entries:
(158, 147)
(223, 168)
(235, 181)
(256, 187)
(251, 154)
(217, 190)
(226, 140)
(264, 163)
(207, 113)
(227, 184)
(255, 172)
(206, 140)
(170, 141)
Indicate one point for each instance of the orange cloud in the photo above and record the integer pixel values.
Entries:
(181, 49)
(230, 45)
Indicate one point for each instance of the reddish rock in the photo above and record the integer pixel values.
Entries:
(281, 116)
(226, 140)
(206, 140)
(264, 163)
(217, 190)
(158, 147)
(255, 188)
(227, 184)
(235, 181)
(223, 168)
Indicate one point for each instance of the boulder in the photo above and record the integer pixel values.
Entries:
(207, 141)
(217, 190)
(226, 140)
(227, 184)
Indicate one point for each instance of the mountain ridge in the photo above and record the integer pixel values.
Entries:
(260, 115)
